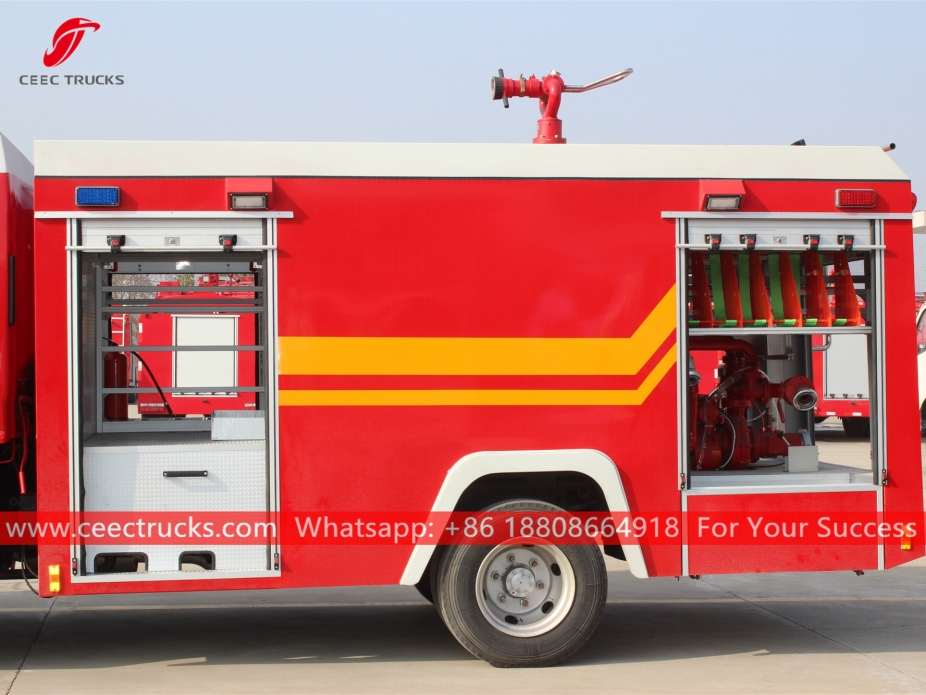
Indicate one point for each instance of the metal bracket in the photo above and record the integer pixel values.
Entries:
(228, 242)
(115, 243)
(827, 344)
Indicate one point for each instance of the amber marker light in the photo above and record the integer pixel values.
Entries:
(54, 578)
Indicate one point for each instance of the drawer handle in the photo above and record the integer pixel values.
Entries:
(185, 474)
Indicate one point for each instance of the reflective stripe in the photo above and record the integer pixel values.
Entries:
(483, 397)
(480, 356)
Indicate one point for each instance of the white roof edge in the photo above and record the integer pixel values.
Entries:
(69, 158)
(14, 162)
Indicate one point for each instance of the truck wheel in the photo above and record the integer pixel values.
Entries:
(856, 427)
(519, 604)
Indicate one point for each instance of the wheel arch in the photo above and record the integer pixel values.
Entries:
(471, 468)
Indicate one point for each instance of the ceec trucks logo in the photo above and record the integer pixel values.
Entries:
(63, 44)
(66, 40)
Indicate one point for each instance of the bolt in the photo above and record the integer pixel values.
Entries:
(541, 585)
(502, 598)
(524, 602)
(511, 558)
(495, 576)
(534, 563)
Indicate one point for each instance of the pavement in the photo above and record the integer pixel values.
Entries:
(772, 633)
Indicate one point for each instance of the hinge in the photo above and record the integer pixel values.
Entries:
(884, 476)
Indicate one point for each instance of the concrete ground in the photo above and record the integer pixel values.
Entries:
(800, 633)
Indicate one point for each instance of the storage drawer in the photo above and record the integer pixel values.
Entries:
(126, 473)
(117, 479)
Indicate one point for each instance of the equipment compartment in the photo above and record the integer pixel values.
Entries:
(165, 340)
(757, 292)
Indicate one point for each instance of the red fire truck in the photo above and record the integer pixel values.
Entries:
(484, 334)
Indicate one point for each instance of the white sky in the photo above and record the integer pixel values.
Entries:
(725, 73)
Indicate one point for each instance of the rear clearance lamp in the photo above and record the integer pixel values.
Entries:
(723, 202)
(249, 201)
(97, 196)
(855, 198)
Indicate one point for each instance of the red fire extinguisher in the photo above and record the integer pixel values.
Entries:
(116, 376)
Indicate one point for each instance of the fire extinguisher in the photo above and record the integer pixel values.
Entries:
(116, 376)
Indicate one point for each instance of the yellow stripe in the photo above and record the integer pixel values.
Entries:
(480, 356)
(482, 397)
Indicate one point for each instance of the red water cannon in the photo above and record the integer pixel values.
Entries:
(550, 92)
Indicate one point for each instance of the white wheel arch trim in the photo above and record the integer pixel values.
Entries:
(470, 468)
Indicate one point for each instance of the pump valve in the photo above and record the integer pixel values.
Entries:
(548, 91)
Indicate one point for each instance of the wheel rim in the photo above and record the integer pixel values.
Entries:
(525, 590)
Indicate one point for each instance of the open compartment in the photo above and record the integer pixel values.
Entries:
(760, 298)
(172, 400)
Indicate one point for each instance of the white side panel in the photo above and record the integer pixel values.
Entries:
(774, 232)
(14, 162)
(919, 222)
(205, 369)
(113, 158)
(845, 372)
(172, 233)
(470, 468)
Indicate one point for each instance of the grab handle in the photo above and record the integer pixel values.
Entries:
(185, 474)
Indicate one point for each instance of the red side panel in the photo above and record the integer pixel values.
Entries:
(51, 370)
(712, 554)
(903, 495)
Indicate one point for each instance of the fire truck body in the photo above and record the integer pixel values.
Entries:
(450, 327)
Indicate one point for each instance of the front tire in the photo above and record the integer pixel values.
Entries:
(518, 604)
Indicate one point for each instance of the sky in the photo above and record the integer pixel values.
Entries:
(832, 73)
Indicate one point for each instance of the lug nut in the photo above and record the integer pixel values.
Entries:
(540, 585)
(502, 598)
(534, 563)
(495, 576)
(511, 558)
(524, 602)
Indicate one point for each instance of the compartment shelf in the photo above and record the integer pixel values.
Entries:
(782, 330)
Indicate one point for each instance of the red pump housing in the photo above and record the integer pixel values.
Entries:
(720, 434)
